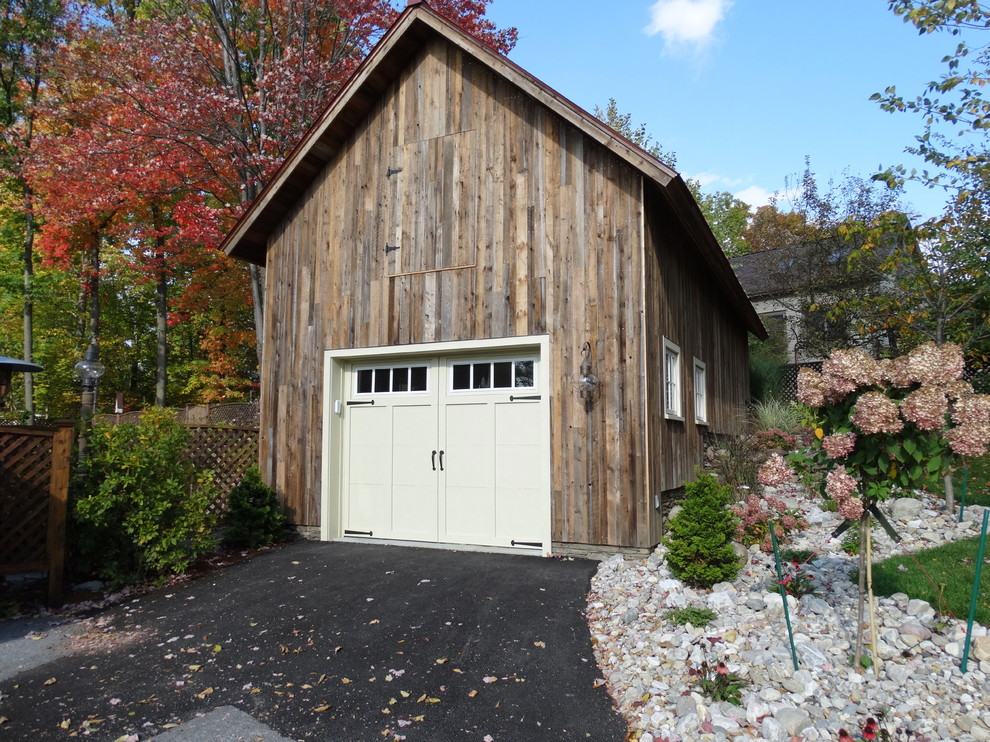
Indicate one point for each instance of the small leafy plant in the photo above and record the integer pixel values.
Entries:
(718, 683)
(850, 542)
(875, 730)
(690, 615)
(755, 514)
(800, 583)
(774, 439)
(255, 517)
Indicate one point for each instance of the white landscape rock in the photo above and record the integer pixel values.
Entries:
(646, 659)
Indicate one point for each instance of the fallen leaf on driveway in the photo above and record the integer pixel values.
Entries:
(541, 645)
(488, 679)
(472, 694)
(205, 693)
(321, 709)
(345, 681)
(598, 683)
(441, 661)
(51, 681)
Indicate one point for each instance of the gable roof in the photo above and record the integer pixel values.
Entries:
(417, 24)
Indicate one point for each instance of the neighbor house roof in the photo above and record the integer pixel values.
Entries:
(786, 271)
(417, 24)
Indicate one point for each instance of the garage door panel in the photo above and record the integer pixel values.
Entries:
(414, 483)
(516, 514)
(370, 508)
(469, 515)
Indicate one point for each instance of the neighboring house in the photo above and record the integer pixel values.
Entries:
(448, 251)
(793, 288)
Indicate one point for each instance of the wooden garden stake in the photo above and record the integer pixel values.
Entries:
(869, 593)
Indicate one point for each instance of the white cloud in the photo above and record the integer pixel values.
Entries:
(689, 22)
(755, 196)
(707, 179)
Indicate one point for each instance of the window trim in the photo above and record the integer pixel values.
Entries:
(700, 395)
(673, 411)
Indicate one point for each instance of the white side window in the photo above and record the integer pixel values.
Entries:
(673, 407)
(700, 393)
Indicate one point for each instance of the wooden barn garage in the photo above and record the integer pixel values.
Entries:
(449, 252)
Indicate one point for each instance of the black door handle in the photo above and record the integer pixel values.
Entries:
(434, 459)
(441, 461)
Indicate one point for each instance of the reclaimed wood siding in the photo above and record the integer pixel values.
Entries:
(463, 209)
(686, 306)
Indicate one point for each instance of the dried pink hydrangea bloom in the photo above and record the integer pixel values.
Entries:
(851, 508)
(810, 387)
(972, 409)
(846, 370)
(969, 439)
(929, 364)
(876, 413)
(775, 470)
(838, 445)
(839, 484)
(926, 407)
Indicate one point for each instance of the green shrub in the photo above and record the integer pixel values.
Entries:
(142, 509)
(699, 541)
(255, 517)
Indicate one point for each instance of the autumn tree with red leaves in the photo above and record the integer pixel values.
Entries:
(165, 120)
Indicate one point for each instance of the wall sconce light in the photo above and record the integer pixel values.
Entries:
(587, 381)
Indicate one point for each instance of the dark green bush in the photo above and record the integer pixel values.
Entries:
(142, 509)
(255, 517)
(699, 540)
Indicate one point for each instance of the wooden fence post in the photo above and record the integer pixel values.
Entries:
(58, 501)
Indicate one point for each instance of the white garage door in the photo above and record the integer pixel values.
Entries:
(446, 450)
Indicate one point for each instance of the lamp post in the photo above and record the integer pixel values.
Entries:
(89, 370)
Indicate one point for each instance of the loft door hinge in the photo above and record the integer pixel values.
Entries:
(392, 171)
(391, 248)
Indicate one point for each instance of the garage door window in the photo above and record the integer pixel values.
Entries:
(394, 379)
(493, 375)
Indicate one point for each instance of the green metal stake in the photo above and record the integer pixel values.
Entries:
(962, 495)
(976, 590)
(783, 593)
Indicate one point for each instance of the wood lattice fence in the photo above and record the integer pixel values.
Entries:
(226, 450)
(34, 491)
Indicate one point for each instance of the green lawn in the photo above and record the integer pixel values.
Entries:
(977, 482)
(952, 567)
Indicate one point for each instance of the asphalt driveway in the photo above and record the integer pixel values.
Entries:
(334, 642)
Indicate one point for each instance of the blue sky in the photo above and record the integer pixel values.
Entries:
(741, 90)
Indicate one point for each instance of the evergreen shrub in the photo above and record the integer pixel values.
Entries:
(255, 517)
(699, 540)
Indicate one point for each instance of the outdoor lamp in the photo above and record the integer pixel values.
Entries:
(7, 368)
(89, 369)
(587, 381)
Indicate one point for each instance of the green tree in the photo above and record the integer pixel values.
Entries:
(638, 135)
(942, 275)
(725, 214)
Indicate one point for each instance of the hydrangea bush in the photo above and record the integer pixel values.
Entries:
(887, 424)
